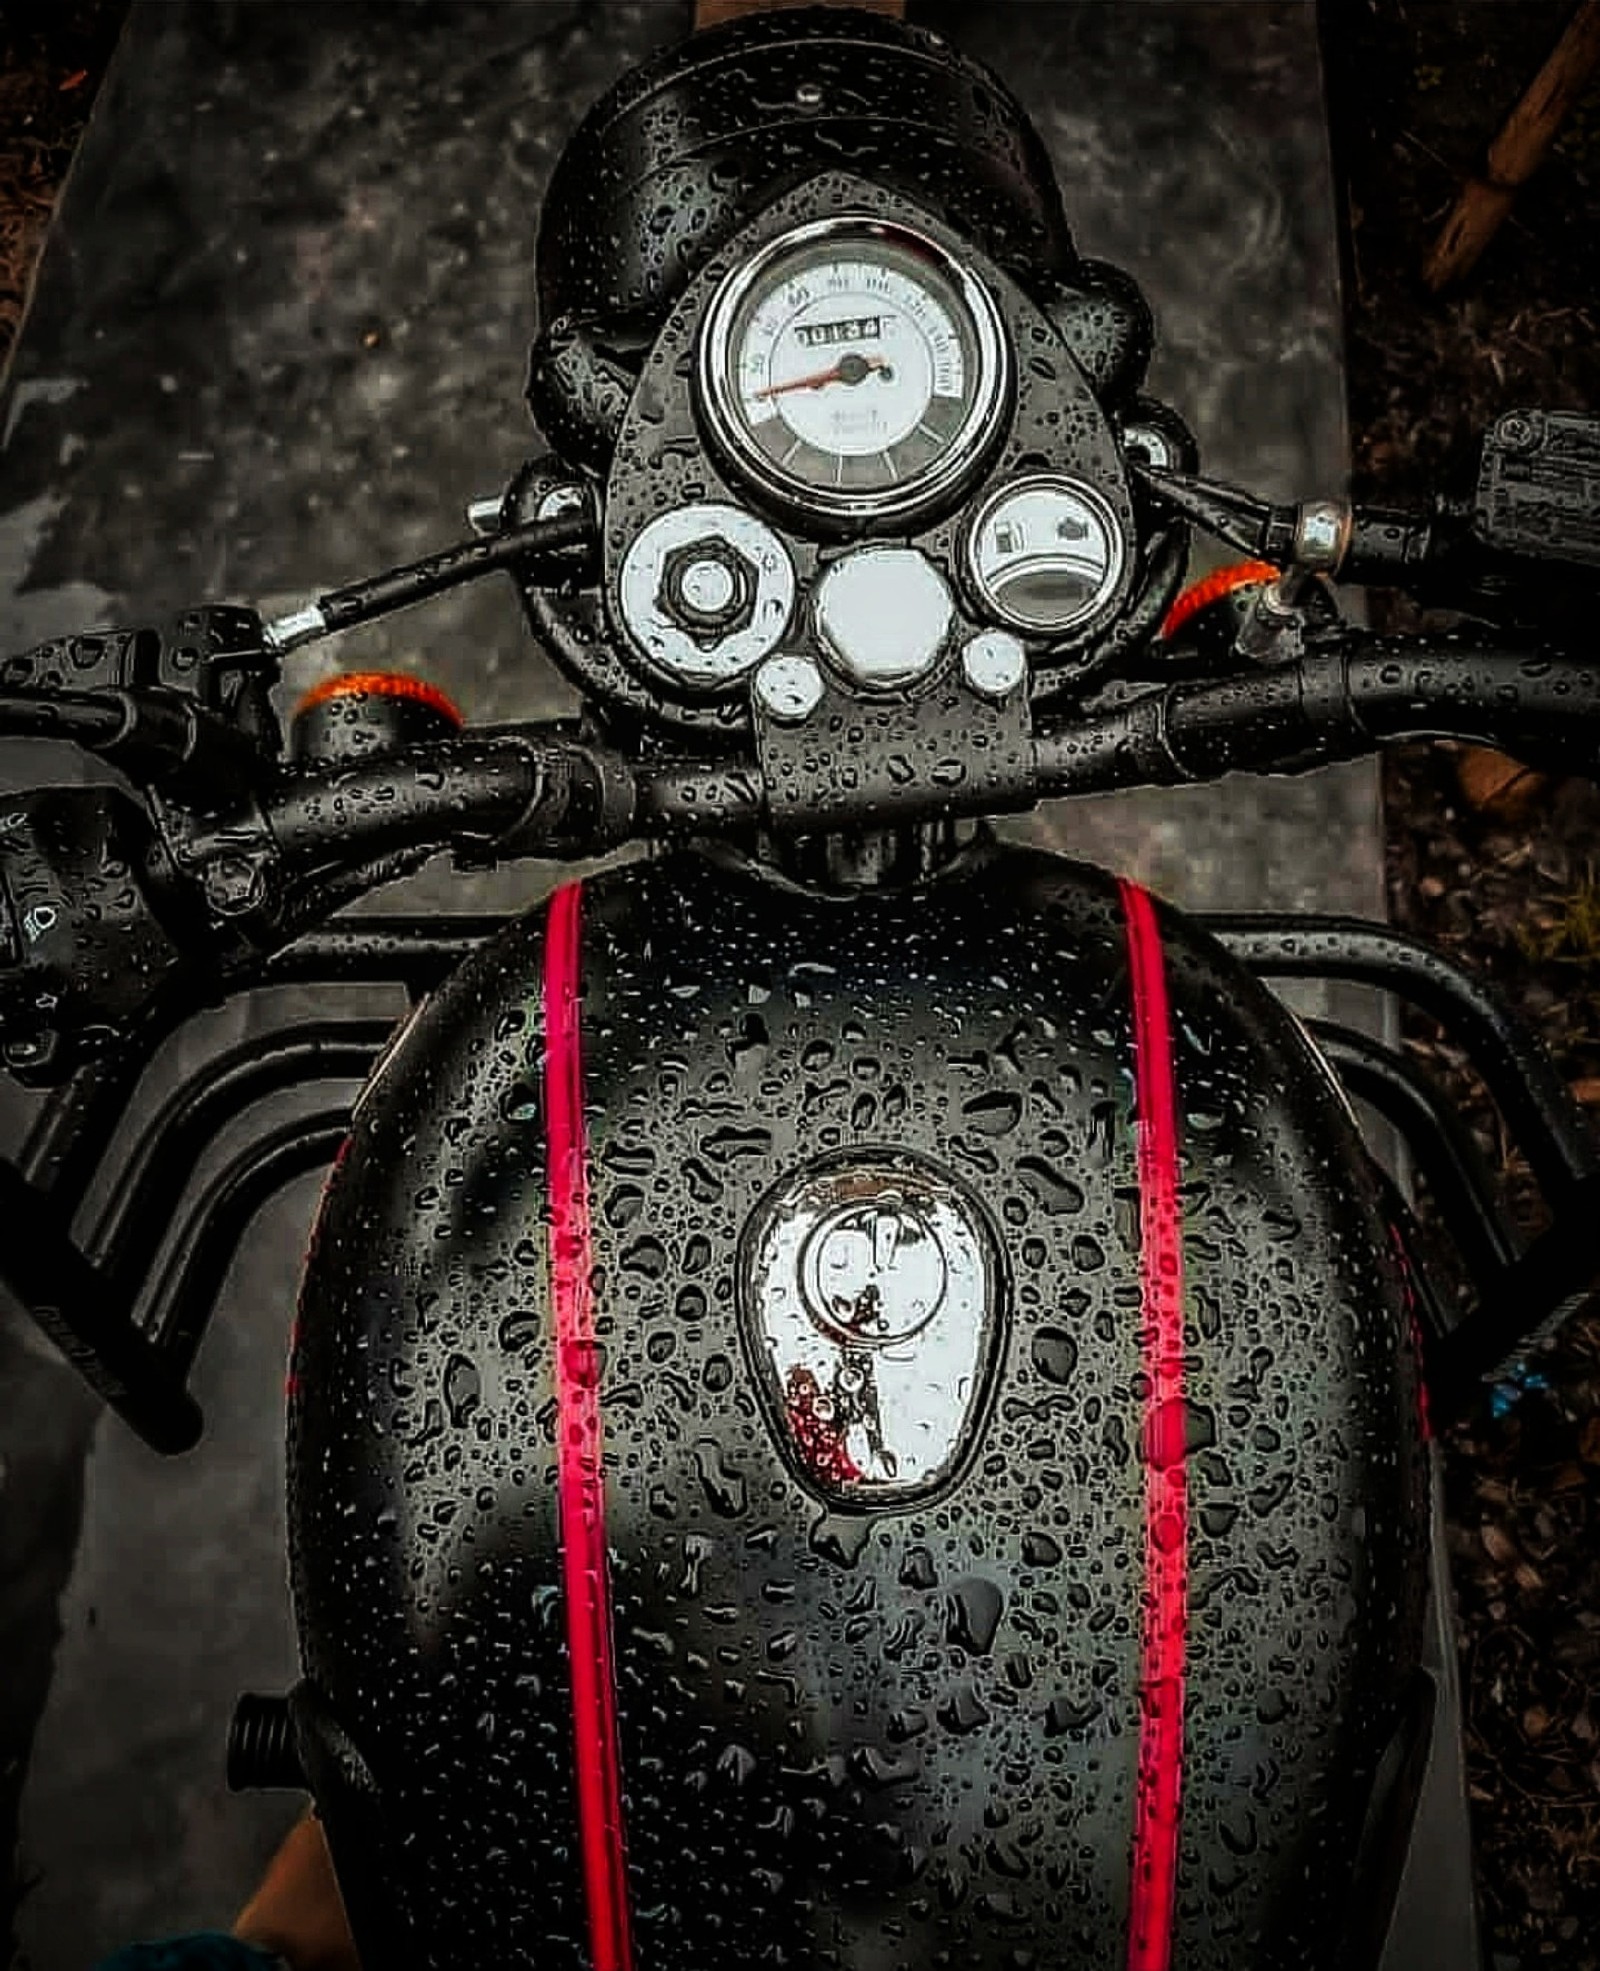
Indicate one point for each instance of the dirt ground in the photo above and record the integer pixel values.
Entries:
(1417, 89)
(1417, 93)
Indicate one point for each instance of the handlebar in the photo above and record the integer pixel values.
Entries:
(217, 885)
(537, 792)
(1354, 692)
(109, 904)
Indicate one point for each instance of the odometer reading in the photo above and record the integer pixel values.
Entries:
(853, 368)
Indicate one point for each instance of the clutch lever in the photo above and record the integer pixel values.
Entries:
(538, 549)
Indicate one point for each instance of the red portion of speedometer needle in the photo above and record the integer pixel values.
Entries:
(848, 369)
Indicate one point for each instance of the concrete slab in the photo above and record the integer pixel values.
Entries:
(278, 341)
(1191, 146)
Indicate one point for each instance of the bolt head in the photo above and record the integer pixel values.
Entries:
(789, 689)
(994, 664)
(1517, 433)
(708, 588)
(233, 885)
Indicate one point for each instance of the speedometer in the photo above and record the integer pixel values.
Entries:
(852, 368)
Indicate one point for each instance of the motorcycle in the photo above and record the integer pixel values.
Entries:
(859, 1395)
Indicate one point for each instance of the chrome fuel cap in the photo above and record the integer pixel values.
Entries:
(871, 1293)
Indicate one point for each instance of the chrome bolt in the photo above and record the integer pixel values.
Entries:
(707, 587)
(994, 663)
(1321, 534)
(559, 499)
(789, 689)
(233, 885)
(670, 629)
(299, 626)
(1149, 444)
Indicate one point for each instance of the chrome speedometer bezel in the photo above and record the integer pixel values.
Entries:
(956, 467)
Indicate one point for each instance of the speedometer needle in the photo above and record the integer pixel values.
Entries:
(848, 369)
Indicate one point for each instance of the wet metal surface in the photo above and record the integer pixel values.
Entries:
(279, 341)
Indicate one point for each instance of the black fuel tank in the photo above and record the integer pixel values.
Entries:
(864, 1219)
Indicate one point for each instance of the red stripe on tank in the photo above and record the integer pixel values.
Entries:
(581, 1475)
(1159, 1784)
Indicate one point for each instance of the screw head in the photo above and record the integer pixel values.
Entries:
(994, 663)
(233, 885)
(789, 689)
(1517, 433)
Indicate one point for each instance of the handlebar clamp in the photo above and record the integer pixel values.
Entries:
(584, 802)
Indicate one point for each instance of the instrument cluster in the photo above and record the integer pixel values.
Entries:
(857, 459)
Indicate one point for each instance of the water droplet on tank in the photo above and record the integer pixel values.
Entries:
(839, 1539)
(1055, 1354)
(963, 1711)
(647, 1257)
(1052, 1188)
(972, 1614)
(723, 1483)
(916, 1569)
(737, 1764)
(462, 1389)
(996, 1113)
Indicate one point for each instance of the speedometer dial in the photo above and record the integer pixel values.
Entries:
(853, 369)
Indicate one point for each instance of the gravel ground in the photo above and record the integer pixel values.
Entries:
(1417, 91)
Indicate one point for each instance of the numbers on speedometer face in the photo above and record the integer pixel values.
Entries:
(854, 368)
(856, 364)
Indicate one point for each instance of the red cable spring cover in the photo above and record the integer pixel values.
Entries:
(1212, 588)
(380, 684)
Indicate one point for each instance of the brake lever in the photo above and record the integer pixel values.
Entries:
(93, 935)
(1524, 551)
